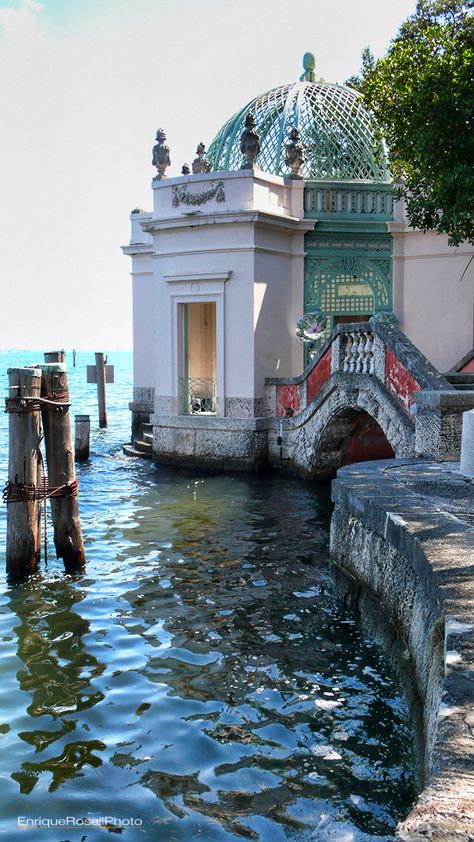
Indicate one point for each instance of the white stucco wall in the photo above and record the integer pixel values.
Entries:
(143, 302)
(241, 247)
(432, 298)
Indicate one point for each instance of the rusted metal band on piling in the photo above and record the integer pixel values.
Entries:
(19, 492)
(58, 400)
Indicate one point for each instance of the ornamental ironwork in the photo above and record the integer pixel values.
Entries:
(341, 138)
(199, 395)
(182, 196)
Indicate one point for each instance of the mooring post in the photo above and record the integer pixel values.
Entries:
(100, 374)
(82, 437)
(55, 356)
(24, 472)
(62, 483)
(74, 358)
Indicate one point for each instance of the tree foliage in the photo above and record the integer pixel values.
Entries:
(422, 94)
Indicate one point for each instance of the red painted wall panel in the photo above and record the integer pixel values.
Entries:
(287, 398)
(399, 381)
(319, 376)
(468, 367)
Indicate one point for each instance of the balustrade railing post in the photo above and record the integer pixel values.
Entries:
(337, 353)
(378, 353)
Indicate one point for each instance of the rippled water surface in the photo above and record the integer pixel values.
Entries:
(201, 677)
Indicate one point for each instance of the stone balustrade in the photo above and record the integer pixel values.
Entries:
(358, 352)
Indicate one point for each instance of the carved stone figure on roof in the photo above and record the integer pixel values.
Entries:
(201, 164)
(161, 154)
(295, 156)
(249, 143)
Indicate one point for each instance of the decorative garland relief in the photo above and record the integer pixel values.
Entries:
(181, 195)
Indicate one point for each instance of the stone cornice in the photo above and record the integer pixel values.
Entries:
(138, 248)
(198, 219)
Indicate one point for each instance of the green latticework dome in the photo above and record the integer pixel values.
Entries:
(341, 138)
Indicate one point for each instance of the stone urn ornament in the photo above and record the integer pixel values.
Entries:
(201, 164)
(249, 143)
(295, 156)
(161, 154)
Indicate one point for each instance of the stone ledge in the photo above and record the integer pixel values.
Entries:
(210, 422)
(404, 529)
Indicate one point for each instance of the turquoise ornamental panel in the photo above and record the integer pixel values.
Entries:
(348, 262)
(349, 202)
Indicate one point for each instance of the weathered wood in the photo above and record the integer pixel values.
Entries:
(82, 437)
(24, 468)
(100, 373)
(74, 358)
(60, 459)
(55, 356)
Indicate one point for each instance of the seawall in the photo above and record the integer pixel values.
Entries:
(402, 532)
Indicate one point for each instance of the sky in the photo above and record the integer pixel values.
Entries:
(84, 85)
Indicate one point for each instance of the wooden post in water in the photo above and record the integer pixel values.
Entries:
(62, 481)
(74, 358)
(82, 437)
(100, 374)
(24, 472)
(54, 356)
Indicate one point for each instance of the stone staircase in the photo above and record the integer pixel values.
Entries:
(462, 381)
(142, 446)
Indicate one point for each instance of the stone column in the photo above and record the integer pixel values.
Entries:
(467, 444)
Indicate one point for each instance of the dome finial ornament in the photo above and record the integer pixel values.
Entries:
(309, 63)
(201, 164)
(249, 143)
(295, 156)
(161, 154)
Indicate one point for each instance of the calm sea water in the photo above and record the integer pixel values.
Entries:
(200, 678)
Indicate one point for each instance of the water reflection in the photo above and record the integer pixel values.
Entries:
(267, 693)
(56, 674)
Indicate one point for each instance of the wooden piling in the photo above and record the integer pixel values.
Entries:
(61, 472)
(82, 437)
(24, 472)
(100, 374)
(74, 358)
(55, 356)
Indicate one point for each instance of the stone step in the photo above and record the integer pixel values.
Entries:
(462, 380)
(148, 437)
(138, 448)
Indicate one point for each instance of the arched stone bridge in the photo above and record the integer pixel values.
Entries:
(369, 394)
